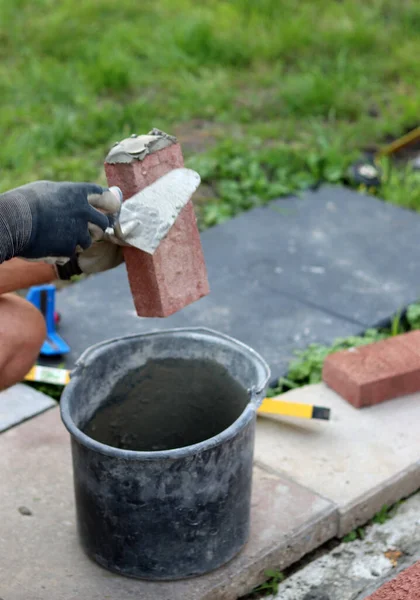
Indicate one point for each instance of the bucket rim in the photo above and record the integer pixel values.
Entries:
(247, 414)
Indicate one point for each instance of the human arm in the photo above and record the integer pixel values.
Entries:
(17, 274)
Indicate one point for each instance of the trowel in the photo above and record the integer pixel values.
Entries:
(145, 219)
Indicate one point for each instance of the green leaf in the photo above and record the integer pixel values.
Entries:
(350, 537)
(382, 516)
(413, 316)
(270, 586)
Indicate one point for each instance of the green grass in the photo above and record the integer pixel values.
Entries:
(49, 389)
(270, 587)
(382, 516)
(356, 534)
(286, 93)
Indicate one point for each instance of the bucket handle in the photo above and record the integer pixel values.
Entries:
(263, 370)
(256, 392)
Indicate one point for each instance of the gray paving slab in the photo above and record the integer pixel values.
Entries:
(360, 459)
(345, 252)
(298, 270)
(40, 557)
(239, 306)
(21, 402)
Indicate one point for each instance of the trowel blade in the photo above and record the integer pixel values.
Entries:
(146, 218)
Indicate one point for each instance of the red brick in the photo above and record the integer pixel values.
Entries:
(411, 341)
(175, 275)
(406, 586)
(377, 372)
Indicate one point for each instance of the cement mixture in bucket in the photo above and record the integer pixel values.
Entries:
(168, 403)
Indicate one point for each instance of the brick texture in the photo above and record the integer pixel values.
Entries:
(377, 372)
(175, 275)
(406, 586)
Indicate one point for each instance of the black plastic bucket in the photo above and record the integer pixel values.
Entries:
(163, 481)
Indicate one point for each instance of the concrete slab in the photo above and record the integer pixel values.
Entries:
(333, 239)
(21, 402)
(39, 552)
(299, 270)
(360, 460)
(239, 306)
(354, 570)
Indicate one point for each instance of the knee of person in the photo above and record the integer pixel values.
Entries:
(22, 327)
(33, 326)
(22, 331)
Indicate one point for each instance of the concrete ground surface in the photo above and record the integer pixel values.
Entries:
(406, 586)
(300, 270)
(19, 403)
(359, 460)
(311, 481)
(354, 570)
(40, 557)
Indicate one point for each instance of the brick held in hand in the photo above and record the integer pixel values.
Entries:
(175, 275)
(377, 372)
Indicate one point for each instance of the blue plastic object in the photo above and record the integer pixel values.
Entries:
(43, 297)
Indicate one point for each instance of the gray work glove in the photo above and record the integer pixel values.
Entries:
(48, 219)
(103, 255)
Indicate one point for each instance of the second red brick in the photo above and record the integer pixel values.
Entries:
(377, 372)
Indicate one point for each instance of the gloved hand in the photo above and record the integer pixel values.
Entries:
(48, 219)
(104, 254)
